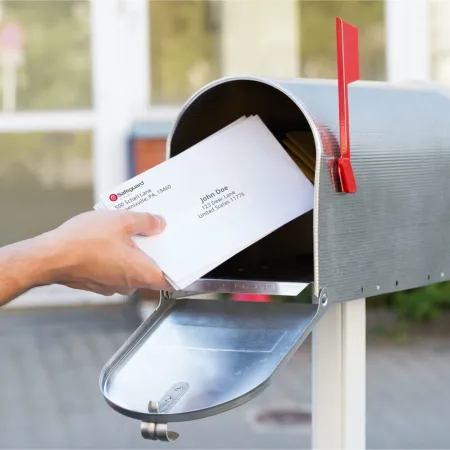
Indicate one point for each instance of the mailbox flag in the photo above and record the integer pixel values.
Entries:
(348, 72)
(348, 51)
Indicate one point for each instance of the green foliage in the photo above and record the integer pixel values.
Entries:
(184, 41)
(318, 36)
(418, 305)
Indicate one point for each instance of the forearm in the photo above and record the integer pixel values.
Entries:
(25, 265)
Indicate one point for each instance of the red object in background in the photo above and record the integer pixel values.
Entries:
(348, 72)
(147, 153)
(250, 298)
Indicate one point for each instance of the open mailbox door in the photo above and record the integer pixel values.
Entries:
(380, 223)
(196, 358)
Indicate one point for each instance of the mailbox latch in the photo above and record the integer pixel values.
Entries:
(159, 431)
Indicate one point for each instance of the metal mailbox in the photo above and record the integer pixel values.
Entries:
(194, 358)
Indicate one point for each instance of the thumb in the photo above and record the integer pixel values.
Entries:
(146, 224)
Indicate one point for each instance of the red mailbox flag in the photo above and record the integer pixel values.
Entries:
(348, 72)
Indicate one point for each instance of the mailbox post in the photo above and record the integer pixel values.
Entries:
(379, 225)
(339, 378)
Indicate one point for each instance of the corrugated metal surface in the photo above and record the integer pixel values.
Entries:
(394, 233)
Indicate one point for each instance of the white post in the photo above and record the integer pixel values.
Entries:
(111, 102)
(407, 40)
(120, 60)
(326, 380)
(354, 374)
(339, 378)
(137, 54)
(440, 42)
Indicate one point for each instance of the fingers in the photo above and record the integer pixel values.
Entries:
(146, 273)
(154, 280)
(144, 224)
(124, 290)
(102, 289)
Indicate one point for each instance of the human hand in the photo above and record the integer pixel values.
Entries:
(97, 253)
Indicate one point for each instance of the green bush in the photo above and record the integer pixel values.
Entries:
(417, 305)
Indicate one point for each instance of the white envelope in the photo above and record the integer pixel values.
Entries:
(218, 197)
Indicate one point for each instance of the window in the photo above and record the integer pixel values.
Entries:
(46, 176)
(54, 70)
(45, 179)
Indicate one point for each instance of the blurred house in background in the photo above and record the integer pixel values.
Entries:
(89, 88)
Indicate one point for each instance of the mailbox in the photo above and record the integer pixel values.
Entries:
(387, 229)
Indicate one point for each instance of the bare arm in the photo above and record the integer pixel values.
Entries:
(25, 265)
(93, 251)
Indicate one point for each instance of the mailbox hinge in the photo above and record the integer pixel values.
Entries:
(323, 297)
(157, 432)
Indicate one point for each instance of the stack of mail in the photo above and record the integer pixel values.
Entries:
(217, 198)
(300, 146)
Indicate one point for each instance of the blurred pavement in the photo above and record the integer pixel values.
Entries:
(49, 395)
